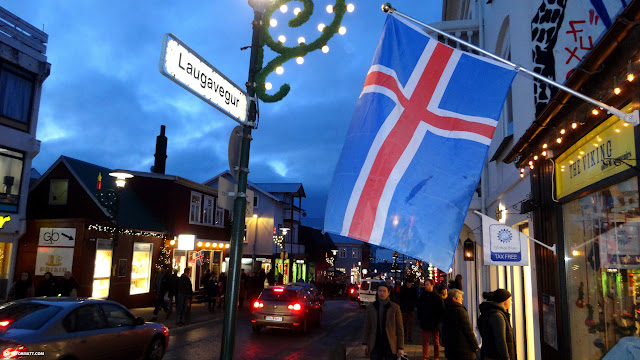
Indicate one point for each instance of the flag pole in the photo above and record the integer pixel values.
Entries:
(632, 118)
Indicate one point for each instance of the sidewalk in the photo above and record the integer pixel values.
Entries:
(199, 313)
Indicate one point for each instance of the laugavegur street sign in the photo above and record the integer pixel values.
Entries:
(185, 67)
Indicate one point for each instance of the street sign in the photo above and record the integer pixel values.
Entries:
(185, 67)
(57, 237)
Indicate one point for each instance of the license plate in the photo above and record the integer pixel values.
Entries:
(273, 318)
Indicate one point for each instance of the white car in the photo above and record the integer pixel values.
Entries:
(368, 290)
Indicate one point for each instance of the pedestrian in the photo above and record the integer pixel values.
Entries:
(172, 289)
(271, 277)
(408, 302)
(211, 290)
(430, 309)
(68, 286)
(495, 326)
(243, 289)
(23, 288)
(185, 292)
(222, 287)
(457, 283)
(162, 287)
(205, 277)
(263, 276)
(47, 287)
(460, 343)
(383, 331)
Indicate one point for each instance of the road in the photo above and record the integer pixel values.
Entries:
(341, 324)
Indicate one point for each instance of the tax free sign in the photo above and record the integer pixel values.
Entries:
(186, 68)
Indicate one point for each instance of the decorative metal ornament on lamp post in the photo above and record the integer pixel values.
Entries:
(110, 200)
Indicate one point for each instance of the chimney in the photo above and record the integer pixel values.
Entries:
(161, 153)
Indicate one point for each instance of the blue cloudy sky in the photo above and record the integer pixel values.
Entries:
(105, 99)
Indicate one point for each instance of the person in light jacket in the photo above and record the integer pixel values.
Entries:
(383, 331)
(459, 341)
(495, 327)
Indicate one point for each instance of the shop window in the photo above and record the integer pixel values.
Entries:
(602, 242)
(16, 96)
(11, 164)
(343, 252)
(141, 268)
(194, 214)
(102, 269)
(207, 212)
(58, 191)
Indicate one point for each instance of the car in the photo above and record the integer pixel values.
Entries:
(353, 291)
(314, 291)
(289, 306)
(368, 290)
(61, 328)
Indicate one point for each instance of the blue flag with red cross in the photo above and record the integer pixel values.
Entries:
(416, 145)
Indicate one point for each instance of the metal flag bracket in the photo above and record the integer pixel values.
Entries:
(552, 248)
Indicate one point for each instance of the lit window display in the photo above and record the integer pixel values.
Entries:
(141, 268)
(102, 269)
(602, 242)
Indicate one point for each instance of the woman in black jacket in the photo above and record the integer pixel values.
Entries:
(495, 327)
(459, 341)
(47, 287)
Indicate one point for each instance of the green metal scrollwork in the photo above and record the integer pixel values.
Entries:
(288, 53)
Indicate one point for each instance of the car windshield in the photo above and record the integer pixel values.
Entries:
(369, 286)
(28, 316)
(279, 294)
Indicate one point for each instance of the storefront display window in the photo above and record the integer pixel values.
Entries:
(602, 242)
(102, 269)
(141, 268)
(10, 177)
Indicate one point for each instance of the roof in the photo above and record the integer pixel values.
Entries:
(339, 239)
(315, 238)
(592, 63)
(288, 188)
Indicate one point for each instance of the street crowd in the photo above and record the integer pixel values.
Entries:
(48, 286)
(443, 320)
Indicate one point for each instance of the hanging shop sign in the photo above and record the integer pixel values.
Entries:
(592, 158)
(57, 237)
(56, 260)
(503, 245)
(185, 67)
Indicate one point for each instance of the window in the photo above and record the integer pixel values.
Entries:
(16, 94)
(141, 268)
(58, 191)
(28, 316)
(343, 252)
(194, 214)
(11, 164)
(256, 203)
(117, 316)
(207, 213)
(85, 318)
(219, 217)
(102, 269)
(355, 253)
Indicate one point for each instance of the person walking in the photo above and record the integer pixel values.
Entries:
(408, 302)
(222, 288)
(430, 310)
(459, 341)
(383, 332)
(68, 286)
(495, 326)
(23, 288)
(211, 290)
(172, 289)
(185, 291)
(162, 287)
(47, 287)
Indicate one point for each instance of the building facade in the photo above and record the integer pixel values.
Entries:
(23, 69)
(351, 258)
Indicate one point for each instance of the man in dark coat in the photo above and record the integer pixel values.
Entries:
(172, 289)
(185, 292)
(459, 341)
(162, 287)
(408, 301)
(383, 334)
(430, 309)
(495, 327)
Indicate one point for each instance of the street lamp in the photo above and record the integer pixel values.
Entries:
(110, 200)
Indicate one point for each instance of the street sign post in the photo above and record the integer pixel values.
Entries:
(186, 68)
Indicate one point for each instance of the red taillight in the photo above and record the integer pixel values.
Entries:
(353, 290)
(295, 307)
(278, 290)
(4, 323)
(258, 305)
(13, 352)
(358, 286)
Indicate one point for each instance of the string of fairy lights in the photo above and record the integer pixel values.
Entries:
(557, 137)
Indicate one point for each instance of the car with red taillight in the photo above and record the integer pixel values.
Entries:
(289, 306)
(64, 328)
(352, 291)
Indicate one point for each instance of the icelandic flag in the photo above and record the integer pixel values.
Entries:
(416, 145)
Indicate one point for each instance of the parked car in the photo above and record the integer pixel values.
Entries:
(353, 291)
(317, 295)
(289, 306)
(368, 290)
(66, 328)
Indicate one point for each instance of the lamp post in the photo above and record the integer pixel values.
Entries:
(110, 199)
(256, 86)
